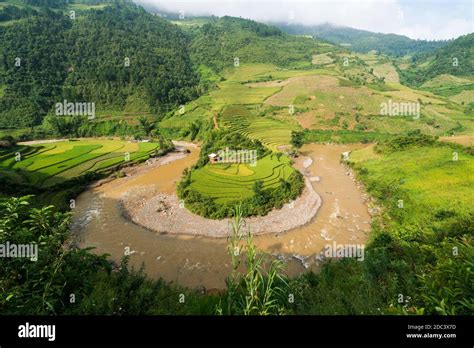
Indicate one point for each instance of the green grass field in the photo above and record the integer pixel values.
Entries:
(52, 163)
(228, 182)
(426, 178)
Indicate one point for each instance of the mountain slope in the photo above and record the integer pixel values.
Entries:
(362, 40)
(110, 57)
(219, 41)
(456, 58)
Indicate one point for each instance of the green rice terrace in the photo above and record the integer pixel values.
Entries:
(227, 182)
(271, 132)
(47, 164)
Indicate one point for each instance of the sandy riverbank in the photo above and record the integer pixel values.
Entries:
(164, 213)
(198, 260)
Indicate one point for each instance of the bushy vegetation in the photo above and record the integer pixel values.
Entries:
(364, 41)
(219, 41)
(261, 288)
(9, 13)
(339, 136)
(102, 57)
(454, 59)
(32, 74)
(68, 280)
(212, 190)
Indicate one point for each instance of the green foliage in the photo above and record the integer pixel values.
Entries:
(337, 136)
(455, 59)
(103, 58)
(257, 291)
(219, 41)
(36, 287)
(364, 41)
(297, 139)
(220, 140)
(412, 138)
(9, 13)
(34, 81)
(447, 286)
(158, 64)
(340, 288)
(146, 125)
(45, 286)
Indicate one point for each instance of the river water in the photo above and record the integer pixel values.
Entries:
(196, 261)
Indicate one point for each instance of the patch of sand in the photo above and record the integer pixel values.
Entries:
(465, 140)
(164, 213)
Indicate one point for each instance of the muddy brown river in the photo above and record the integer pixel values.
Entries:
(196, 261)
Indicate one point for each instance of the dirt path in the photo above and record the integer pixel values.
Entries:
(465, 140)
(34, 142)
(48, 141)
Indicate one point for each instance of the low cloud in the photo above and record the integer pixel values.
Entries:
(435, 19)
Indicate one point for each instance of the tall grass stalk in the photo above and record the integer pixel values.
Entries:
(255, 291)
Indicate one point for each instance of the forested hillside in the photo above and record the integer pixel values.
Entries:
(120, 54)
(114, 56)
(456, 58)
(32, 68)
(362, 40)
(218, 42)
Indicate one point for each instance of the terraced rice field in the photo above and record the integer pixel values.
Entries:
(231, 92)
(248, 84)
(271, 132)
(228, 182)
(52, 163)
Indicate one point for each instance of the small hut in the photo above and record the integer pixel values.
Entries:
(213, 158)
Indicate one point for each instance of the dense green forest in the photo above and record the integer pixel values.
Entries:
(362, 40)
(9, 12)
(33, 68)
(102, 57)
(218, 42)
(456, 58)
